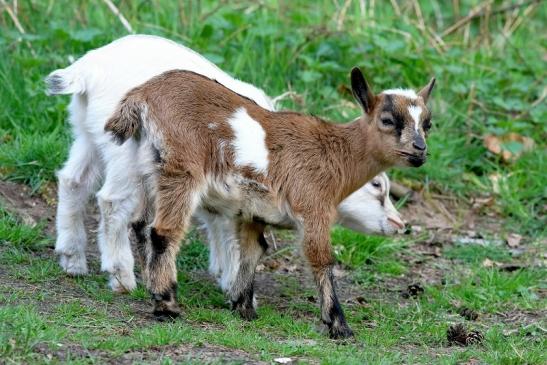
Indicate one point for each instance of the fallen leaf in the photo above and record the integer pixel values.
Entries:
(510, 146)
(479, 203)
(509, 332)
(513, 240)
(492, 143)
(495, 180)
(487, 263)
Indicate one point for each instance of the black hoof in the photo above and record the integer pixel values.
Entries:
(248, 314)
(246, 311)
(166, 315)
(340, 332)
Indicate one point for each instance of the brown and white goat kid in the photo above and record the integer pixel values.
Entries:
(219, 151)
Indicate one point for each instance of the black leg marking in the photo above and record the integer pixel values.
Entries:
(165, 304)
(244, 304)
(139, 238)
(159, 242)
(138, 229)
(336, 322)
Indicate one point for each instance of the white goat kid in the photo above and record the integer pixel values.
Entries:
(98, 81)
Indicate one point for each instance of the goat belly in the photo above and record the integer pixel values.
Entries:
(244, 199)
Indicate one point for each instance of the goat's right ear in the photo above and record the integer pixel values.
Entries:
(361, 90)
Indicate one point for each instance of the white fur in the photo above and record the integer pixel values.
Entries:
(250, 141)
(98, 81)
(415, 112)
(370, 210)
(407, 93)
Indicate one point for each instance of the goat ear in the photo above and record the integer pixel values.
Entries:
(426, 91)
(361, 90)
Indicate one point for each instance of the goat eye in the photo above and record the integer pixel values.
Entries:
(427, 125)
(388, 122)
(376, 184)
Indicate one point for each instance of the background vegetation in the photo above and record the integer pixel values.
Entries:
(487, 155)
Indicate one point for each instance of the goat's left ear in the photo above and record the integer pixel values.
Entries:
(426, 91)
(361, 90)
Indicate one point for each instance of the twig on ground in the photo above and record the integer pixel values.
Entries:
(436, 41)
(400, 191)
(474, 13)
(396, 7)
(520, 19)
(442, 209)
(469, 112)
(342, 15)
(118, 14)
(272, 235)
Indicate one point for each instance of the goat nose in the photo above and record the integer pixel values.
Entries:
(419, 143)
(418, 146)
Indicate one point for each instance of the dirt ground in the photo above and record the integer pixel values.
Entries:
(441, 218)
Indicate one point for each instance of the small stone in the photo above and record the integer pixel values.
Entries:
(283, 360)
(513, 240)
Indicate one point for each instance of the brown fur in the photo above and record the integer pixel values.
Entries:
(313, 166)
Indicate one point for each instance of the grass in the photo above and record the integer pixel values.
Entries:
(489, 82)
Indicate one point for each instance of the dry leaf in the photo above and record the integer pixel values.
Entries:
(513, 240)
(487, 263)
(479, 203)
(510, 146)
(495, 180)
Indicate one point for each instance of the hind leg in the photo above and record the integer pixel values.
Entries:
(76, 182)
(118, 199)
(252, 246)
(177, 198)
(142, 218)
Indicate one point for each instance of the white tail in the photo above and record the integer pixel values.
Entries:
(65, 81)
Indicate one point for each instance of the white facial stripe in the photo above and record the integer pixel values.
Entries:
(250, 141)
(415, 112)
(407, 93)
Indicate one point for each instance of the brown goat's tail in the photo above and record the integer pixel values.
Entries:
(127, 120)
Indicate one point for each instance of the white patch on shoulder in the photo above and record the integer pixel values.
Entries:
(415, 112)
(212, 126)
(250, 141)
(407, 93)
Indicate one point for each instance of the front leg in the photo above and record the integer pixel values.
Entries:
(318, 251)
